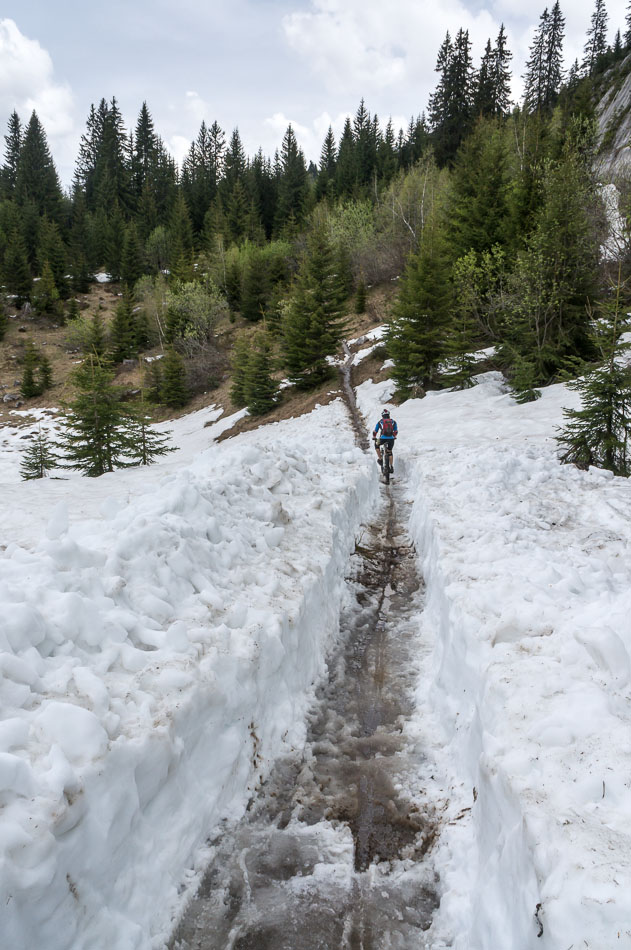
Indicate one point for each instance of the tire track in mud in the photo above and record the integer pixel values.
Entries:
(333, 851)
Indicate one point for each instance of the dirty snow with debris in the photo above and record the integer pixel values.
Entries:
(528, 571)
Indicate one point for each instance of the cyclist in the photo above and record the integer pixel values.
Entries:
(387, 431)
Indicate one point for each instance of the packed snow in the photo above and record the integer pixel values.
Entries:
(162, 633)
(527, 699)
(164, 629)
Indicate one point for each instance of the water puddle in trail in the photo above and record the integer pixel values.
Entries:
(332, 852)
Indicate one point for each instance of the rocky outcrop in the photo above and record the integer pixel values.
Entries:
(614, 122)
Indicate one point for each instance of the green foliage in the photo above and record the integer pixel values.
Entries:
(417, 335)
(39, 459)
(95, 438)
(87, 334)
(30, 386)
(260, 389)
(239, 364)
(600, 431)
(193, 309)
(16, 270)
(174, 392)
(132, 261)
(145, 443)
(314, 320)
(360, 297)
(45, 295)
(123, 338)
(255, 290)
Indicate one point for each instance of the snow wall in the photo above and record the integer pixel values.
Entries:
(155, 660)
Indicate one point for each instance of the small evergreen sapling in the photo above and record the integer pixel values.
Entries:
(174, 389)
(39, 458)
(146, 443)
(599, 432)
(259, 387)
(96, 438)
(360, 297)
(30, 386)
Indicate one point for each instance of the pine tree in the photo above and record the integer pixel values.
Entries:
(174, 389)
(145, 443)
(484, 101)
(314, 321)
(293, 184)
(260, 389)
(553, 60)
(45, 373)
(123, 337)
(51, 248)
(16, 270)
(255, 290)
(627, 32)
(13, 139)
(39, 458)
(239, 364)
(36, 178)
(95, 439)
(360, 297)
(30, 385)
(416, 338)
(45, 295)
(599, 432)
(96, 344)
(464, 331)
(346, 167)
(596, 44)
(132, 262)
(452, 105)
(328, 161)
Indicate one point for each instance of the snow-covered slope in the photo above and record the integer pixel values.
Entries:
(528, 571)
(161, 633)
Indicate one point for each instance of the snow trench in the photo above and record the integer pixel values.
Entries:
(155, 663)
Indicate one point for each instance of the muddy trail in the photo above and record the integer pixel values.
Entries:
(332, 853)
(335, 850)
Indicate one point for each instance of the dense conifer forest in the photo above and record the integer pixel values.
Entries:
(488, 211)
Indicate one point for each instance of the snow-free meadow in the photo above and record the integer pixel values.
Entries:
(163, 631)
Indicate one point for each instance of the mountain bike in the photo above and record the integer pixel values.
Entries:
(386, 459)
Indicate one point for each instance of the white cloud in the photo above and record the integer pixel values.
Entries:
(27, 82)
(363, 46)
(381, 51)
(178, 145)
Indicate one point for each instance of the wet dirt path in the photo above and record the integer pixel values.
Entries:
(332, 852)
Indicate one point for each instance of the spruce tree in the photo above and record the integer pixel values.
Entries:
(95, 439)
(544, 68)
(96, 344)
(174, 389)
(39, 459)
(596, 44)
(122, 336)
(452, 105)
(132, 262)
(30, 385)
(255, 290)
(51, 248)
(145, 443)
(314, 321)
(45, 295)
(45, 373)
(36, 178)
(16, 271)
(627, 32)
(360, 297)
(416, 338)
(464, 331)
(239, 364)
(346, 166)
(4, 320)
(328, 162)
(8, 172)
(501, 75)
(260, 389)
(599, 432)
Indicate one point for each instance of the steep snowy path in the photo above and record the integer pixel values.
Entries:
(331, 853)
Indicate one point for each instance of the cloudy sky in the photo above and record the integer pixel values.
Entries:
(257, 64)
